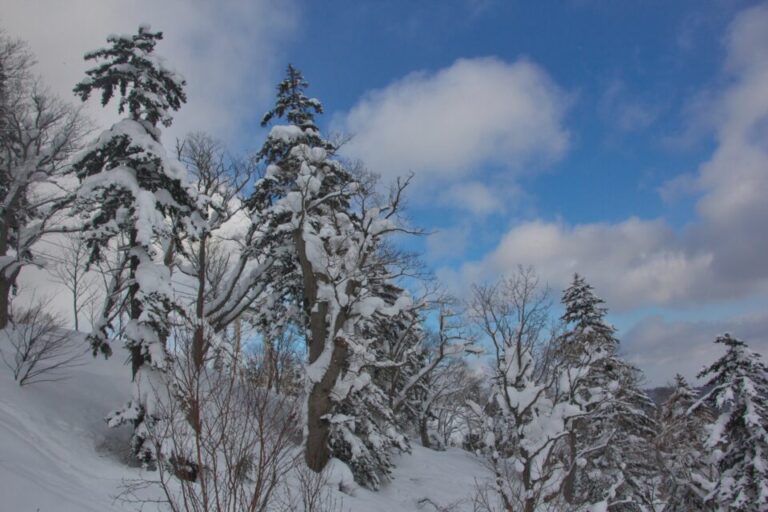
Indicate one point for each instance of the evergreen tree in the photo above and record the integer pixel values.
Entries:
(687, 471)
(739, 434)
(623, 472)
(610, 443)
(133, 196)
(585, 315)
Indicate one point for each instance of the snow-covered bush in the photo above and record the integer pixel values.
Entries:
(224, 443)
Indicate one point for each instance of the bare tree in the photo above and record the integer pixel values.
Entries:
(71, 269)
(39, 134)
(37, 348)
(455, 385)
(224, 258)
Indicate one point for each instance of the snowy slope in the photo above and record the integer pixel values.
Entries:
(55, 449)
(57, 455)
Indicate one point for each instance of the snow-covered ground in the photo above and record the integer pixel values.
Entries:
(57, 454)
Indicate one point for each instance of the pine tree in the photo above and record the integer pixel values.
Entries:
(584, 314)
(624, 466)
(609, 445)
(739, 435)
(133, 196)
(687, 470)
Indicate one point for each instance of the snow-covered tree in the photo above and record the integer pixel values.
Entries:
(38, 135)
(687, 470)
(738, 384)
(610, 443)
(134, 197)
(527, 420)
(585, 316)
(334, 243)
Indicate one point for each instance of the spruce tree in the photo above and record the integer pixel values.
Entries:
(739, 434)
(610, 443)
(134, 198)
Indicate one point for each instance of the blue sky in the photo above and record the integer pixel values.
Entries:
(627, 141)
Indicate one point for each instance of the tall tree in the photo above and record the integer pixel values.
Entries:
(334, 243)
(130, 186)
(739, 434)
(608, 446)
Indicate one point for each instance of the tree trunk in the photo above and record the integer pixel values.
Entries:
(529, 505)
(137, 357)
(199, 345)
(5, 301)
(269, 363)
(424, 432)
(569, 485)
(6, 280)
(318, 451)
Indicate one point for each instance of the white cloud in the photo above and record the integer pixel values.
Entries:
(474, 196)
(631, 263)
(227, 51)
(720, 255)
(664, 347)
(449, 124)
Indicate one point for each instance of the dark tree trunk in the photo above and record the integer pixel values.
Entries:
(318, 451)
(199, 345)
(529, 505)
(5, 301)
(570, 479)
(6, 280)
(137, 357)
(424, 432)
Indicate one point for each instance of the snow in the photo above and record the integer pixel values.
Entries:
(444, 478)
(339, 476)
(285, 133)
(57, 453)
